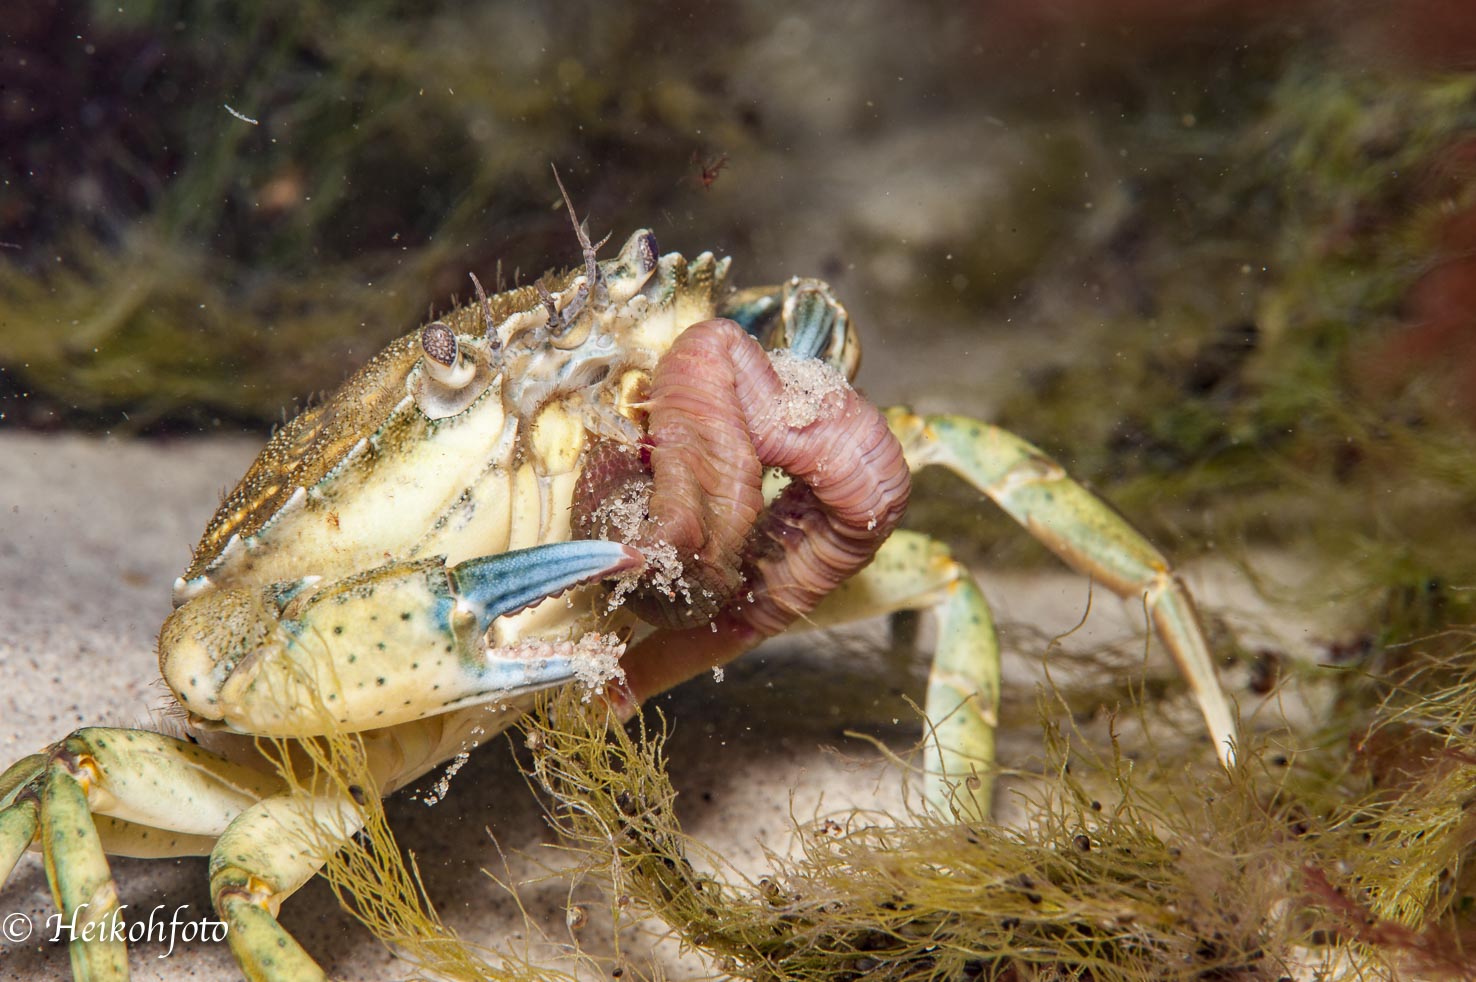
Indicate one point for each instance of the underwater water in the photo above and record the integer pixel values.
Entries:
(1214, 259)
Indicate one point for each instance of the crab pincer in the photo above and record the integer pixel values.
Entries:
(490, 587)
(430, 617)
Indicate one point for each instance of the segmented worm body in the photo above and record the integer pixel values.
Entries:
(719, 413)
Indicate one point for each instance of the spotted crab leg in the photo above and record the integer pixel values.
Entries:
(19, 812)
(81, 882)
(913, 572)
(43, 796)
(266, 854)
(124, 792)
(1083, 531)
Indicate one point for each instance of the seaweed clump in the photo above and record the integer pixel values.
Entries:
(1322, 864)
(337, 814)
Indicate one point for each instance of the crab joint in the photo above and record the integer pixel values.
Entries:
(239, 885)
(83, 767)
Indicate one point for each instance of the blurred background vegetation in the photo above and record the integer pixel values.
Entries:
(1217, 257)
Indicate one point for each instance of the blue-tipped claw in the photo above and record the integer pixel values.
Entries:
(813, 322)
(495, 586)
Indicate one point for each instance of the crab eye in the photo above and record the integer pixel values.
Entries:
(443, 359)
(454, 371)
(629, 271)
(439, 343)
(648, 252)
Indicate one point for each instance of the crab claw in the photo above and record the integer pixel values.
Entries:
(400, 642)
(490, 587)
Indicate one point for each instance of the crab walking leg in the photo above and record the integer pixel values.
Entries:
(157, 795)
(150, 796)
(266, 854)
(130, 792)
(18, 824)
(19, 815)
(122, 838)
(1082, 530)
(914, 572)
(18, 775)
(81, 881)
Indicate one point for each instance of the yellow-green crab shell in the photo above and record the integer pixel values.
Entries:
(459, 441)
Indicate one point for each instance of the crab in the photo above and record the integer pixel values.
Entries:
(682, 464)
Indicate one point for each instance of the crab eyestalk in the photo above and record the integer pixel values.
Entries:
(444, 360)
(453, 372)
(628, 272)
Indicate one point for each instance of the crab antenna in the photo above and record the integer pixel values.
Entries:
(591, 268)
(493, 340)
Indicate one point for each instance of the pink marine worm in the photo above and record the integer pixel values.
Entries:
(714, 425)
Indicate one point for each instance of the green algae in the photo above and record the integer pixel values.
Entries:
(1309, 863)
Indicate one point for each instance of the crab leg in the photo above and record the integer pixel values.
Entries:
(914, 572)
(152, 785)
(266, 854)
(1083, 531)
(18, 824)
(81, 881)
(19, 815)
